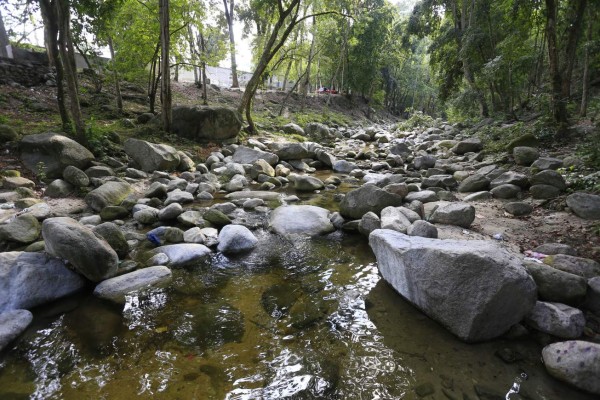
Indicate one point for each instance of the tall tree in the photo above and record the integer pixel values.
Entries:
(229, 8)
(165, 43)
(3, 38)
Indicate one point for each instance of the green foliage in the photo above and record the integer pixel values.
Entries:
(589, 149)
(416, 119)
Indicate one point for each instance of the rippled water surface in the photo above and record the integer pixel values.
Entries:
(296, 318)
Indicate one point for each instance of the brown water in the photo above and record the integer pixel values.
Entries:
(294, 319)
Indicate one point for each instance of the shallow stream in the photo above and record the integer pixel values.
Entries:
(296, 318)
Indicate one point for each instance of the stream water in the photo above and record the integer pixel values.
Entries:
(295, 318)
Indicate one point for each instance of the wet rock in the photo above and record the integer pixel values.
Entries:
(59, 188)
(183, 254)
(23, 229)
(518, 208)
(425, 389)
(556, 319)
(31, 279)
(506, 191)
(54, 152)
(217, 217)
(575, 362)
(585, 205)
(423, 229)
(278, 299)
(109, 194)
(459, 214)
(191, 218)
(151, 156)
(170, 212)
(12, 324)
(301, 220)
(214, 325)
(557, 286)
(194, 235)
(236, 239)
(306, 312)
(474, 183)
(115, 289)
(525, 155)
(344, 167)
(575, 265)
(393, 218)
(415, 267)
(90, 255)
(246, 155)
(470, 145)
(423, 196)
(544, 192)
(306, 183)
(556, 248)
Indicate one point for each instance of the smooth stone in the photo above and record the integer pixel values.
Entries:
(525, 155)
(575, 265)
(236, 239)
(58, 189)
(576, 362)
(506, 191)
(459, 214)
(23, 229)
(368, 223)
(474, 183)
(510, 178)
(556, 248)
(301, 219)
(114, 236)
(109, 194)
(478, 196)
(183, 254)
(518, 208)
(424, 196)
(170, 212)
(541, 192)
(557, 286)
(556, 319)
(549, 177)
(246, 155)
(14, 182)
(194, 235)
(151, 156)
(393, 218)
(115, 289)
(584, 205)
(179, 196)
(111, 213)
(423, 229)
(254, 194)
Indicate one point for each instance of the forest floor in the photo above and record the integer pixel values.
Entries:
(33, 110)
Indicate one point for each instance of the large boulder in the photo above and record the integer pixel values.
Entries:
(474, 288)
(576, 362)
(293, 151)
(236, 239)
(87, 252)
(367, 198)
(459, 214)
(556, 319)
(12, 324)
(151, 156)
(115, 289)
(302, 220)
(31, 279)
(110, 194)
(52, 153)
(206, 124)
(247, 155)
(585, 205)
(23, 229)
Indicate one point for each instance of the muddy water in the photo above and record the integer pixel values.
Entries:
(299, 319)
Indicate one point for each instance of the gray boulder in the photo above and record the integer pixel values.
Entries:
(393, 218)
(549, 177)
(556, 319)
(469, 145)
(31, 279)
(110, 194)
(344, 167)
(59, 188)
(12, 324)
(518, 208)
(424, 162)
(114, 237)
(75, 176)
(23, 229)
(367, 198)
(170, 212)
(292, 129)
(423, 229)
(236, 239)
(585, 205)
(246, 155)
(301, 220)
(544, 163)
(306, 183)
(525, 155)
(507, 191)
(474, 288)
(317, 130)
(557, 286)
(183, 254)
(53, 153)
(510, 178)
(459, 214)
(575, 265)
(556, 248)
(576, 362)
(179, 196)
(207, 124)
(152, 157)
(424, 196)
(544, 191)
(292, 151)
(115, 289)
(368, 223)
(89, 254)
(474, 183)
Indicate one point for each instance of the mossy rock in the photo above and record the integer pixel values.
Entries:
(527, 140)
(12, 173)
(7, 134)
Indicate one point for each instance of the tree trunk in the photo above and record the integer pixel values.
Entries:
(193, 54)
(70, 72)
(165, 87)
(574, 32)
(229, 17)
(50, 18)
(306, 83)
(204, 83)
(119, 99)
(559, 107)
(3, 38)
(585, 92)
